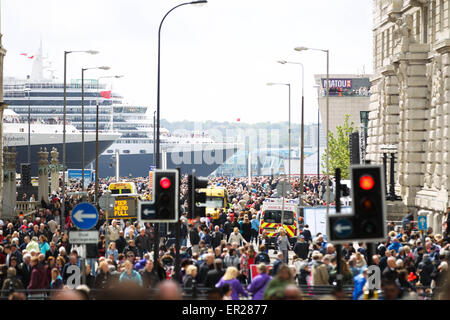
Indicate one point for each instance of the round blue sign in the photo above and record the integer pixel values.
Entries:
(84, 216)
(343, 228)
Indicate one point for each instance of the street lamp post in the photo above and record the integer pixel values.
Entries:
(327, 117)
(82, 120)
(158, 161)
(318, 133)
(62, 218)
(96, 138)
(29, 120)
(302, 129)
(289, 124)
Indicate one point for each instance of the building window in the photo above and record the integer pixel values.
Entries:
(109, 151)
(142, 151)
(441, 15)
(126, 151)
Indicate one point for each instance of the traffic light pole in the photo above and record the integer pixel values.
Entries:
(178, 240)
(339, 275)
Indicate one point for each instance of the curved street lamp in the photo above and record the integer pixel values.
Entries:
(156, 156)
(62, 217)
(327, 116)
(302, 128)
(96, 137)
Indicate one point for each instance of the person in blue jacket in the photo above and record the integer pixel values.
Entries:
(130, 275)
(359, 283)
(395, 245)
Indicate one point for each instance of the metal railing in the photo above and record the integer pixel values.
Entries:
(201, 293)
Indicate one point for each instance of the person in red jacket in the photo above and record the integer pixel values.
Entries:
(39, 279)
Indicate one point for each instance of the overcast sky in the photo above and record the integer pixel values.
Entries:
(215, 59)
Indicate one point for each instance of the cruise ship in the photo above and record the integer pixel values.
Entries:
(125, 130)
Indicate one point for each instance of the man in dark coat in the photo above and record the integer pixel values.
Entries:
(25, 270)
(301, 248)
(213, 276)
(149, 278)
(228, 227)
(390, 271)
(131, 247)
(143, 242)
(425, 270)
(205, 267)
(194, 238)
(307, 234)
(121, 243)
(216, 238)
(53, 252)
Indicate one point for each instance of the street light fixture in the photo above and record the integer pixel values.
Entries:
(96, 137)
(157, 155)
(302, 129)
(327, 117)
(289, 126)
(318, 133)
(158, 162)
(82, 120)
(62, 218)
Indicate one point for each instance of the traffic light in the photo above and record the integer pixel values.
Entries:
(354, 148)
(196, 200)
(166, 194)
(367, 223)
(368, 202)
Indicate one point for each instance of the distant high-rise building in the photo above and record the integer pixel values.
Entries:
(349, 94)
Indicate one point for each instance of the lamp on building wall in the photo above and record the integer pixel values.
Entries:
(392, 149)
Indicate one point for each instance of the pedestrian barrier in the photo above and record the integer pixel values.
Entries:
(313, 292)
(201, 293)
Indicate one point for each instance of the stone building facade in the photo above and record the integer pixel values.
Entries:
(410, 100)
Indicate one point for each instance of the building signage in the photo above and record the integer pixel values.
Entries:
(338, 83)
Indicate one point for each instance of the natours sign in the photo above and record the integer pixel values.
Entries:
(337, 83)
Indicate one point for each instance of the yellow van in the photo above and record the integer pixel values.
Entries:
(216, 199)
(123, 188)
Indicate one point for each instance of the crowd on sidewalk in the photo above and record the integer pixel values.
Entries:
(226, 255)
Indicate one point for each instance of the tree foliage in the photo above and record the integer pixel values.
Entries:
(339, 149)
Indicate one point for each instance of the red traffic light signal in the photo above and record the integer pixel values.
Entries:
(366, 182)
(165, 183)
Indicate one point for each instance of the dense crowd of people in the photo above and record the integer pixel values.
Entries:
(228, 255)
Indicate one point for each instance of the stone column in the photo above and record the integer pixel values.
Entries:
(6, 189)
(43, 175)
(12, 178)
(9, 183)
(435, 192)
(54, 171)
(413, 89)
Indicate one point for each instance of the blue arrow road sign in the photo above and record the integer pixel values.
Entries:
(422, 221)
(84, 216)
(343, 228)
